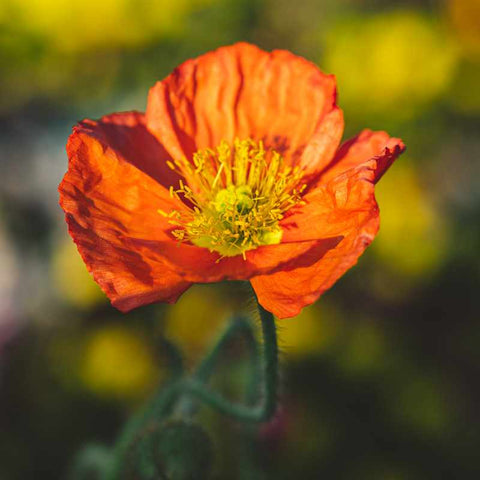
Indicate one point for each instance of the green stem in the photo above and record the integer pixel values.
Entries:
(239, 325)
(267, 406)
(173, 356)
(270, 352)
(163, 403)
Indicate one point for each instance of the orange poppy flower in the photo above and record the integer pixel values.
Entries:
(234, 172)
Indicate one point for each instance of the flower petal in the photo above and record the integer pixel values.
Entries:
(244, 92)
(347, 206)
(322, 146)
(128, 279)
(366, 145)
(127, 134)
(111, 198)
(110, 194)
(197, 264)
(335, 208)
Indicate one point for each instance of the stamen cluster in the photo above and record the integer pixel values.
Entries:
(236, 196)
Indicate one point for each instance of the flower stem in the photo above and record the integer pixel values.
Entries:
(268, 404)
(271, 376)
(177, 398)
(239, 325)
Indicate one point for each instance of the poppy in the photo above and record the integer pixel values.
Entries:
(234, 172)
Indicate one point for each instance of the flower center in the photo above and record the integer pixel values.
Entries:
(236, 197)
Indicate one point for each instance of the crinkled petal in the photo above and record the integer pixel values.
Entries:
(366, 145)
(197, 264)
(334, 208)
(322, 146)
(127, 134)
(109, 194)
(346, 205)
(127, 278)
(244, 92)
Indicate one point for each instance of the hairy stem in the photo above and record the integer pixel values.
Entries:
(267, 405)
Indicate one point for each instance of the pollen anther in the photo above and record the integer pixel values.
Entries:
(236, 196)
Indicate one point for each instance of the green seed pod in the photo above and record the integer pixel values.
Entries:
(183, 451)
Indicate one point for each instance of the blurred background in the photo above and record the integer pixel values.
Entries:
(380, 377)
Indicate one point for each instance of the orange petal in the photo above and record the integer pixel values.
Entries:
(244, 92)
(322, 146)
(111, 198)
(109, 195)
(197, 264)
(364, 146)
(128, 279)
(345, 206)
(127, 134)
(334, 208)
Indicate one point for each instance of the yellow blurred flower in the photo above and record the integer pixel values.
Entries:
(413, 236)
(390, 62)
(74, 26)
(118, 363)
(197, 318)
(72, 280)
(310, 333)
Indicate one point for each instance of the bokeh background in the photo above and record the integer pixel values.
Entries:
(380, 377)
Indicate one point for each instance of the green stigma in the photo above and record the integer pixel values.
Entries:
(231, 197)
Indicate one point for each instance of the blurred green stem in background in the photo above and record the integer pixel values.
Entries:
(162, 440)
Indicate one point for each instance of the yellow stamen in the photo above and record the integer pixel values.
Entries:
(237, 195)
